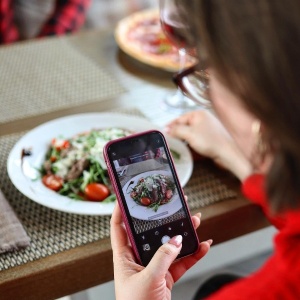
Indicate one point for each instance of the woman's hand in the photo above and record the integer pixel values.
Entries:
(206, 135)
(135, 282)
(202, 131)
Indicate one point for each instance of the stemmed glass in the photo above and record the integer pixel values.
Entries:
(175, 30)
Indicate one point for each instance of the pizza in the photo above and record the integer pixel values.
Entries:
(140, 35)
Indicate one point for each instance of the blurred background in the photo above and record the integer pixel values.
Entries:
(104, 13)
(30, 14)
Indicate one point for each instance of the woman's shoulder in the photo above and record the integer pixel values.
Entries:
(278, 278)
(254, 189)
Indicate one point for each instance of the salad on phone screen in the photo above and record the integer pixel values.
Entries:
(75, 167)
(153, 191)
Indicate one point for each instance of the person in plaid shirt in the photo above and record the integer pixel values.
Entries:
(67, 16)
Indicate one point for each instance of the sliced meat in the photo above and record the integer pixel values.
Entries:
(154, 197)
(47, 166)
(77, 169)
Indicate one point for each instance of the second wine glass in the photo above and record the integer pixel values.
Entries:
(175, 31)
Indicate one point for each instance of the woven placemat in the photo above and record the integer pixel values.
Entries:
(54, 231)
(46, 75)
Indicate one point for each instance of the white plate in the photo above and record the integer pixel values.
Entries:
(145, 213)
(38, 140)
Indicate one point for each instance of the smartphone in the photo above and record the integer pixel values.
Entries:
(151, 199)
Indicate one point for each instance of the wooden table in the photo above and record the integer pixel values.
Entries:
(77, 269)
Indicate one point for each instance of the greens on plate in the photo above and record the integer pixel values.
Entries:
(75, 167)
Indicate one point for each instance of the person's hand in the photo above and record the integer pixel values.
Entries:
(206, 135)
(155, 282)
(202, 131)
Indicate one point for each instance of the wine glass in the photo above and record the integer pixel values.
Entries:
(175, 30)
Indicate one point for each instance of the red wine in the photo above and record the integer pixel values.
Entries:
(176, 32)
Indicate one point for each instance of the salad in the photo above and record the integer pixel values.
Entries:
(75, 167)
(153, 191)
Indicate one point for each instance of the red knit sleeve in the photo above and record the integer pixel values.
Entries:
(69, 16)
(254, 189)
(8, 30)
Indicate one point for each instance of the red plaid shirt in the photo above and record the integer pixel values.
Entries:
(68, 16)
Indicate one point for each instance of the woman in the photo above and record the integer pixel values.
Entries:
(251, 54)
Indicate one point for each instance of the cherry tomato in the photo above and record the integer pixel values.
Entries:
(60, 144)
(169, 194)
(145, 201)
(96, 191)
(53, 182)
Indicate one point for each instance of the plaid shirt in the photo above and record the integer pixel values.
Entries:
(68, 16)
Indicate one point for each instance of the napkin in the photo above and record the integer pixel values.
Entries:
(12, 234)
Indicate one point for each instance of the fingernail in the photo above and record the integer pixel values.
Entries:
(176, 240)
(199, 215)
(209, 241)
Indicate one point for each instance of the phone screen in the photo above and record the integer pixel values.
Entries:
(151, 194)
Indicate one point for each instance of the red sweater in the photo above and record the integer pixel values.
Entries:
(68, 16)
(279, 277)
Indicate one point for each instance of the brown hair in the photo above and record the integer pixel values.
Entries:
(254, 47)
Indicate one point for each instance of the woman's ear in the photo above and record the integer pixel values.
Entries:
(261, 157)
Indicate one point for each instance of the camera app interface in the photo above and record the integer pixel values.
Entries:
(152, 199)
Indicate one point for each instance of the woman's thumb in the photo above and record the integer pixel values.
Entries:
(164, 256)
